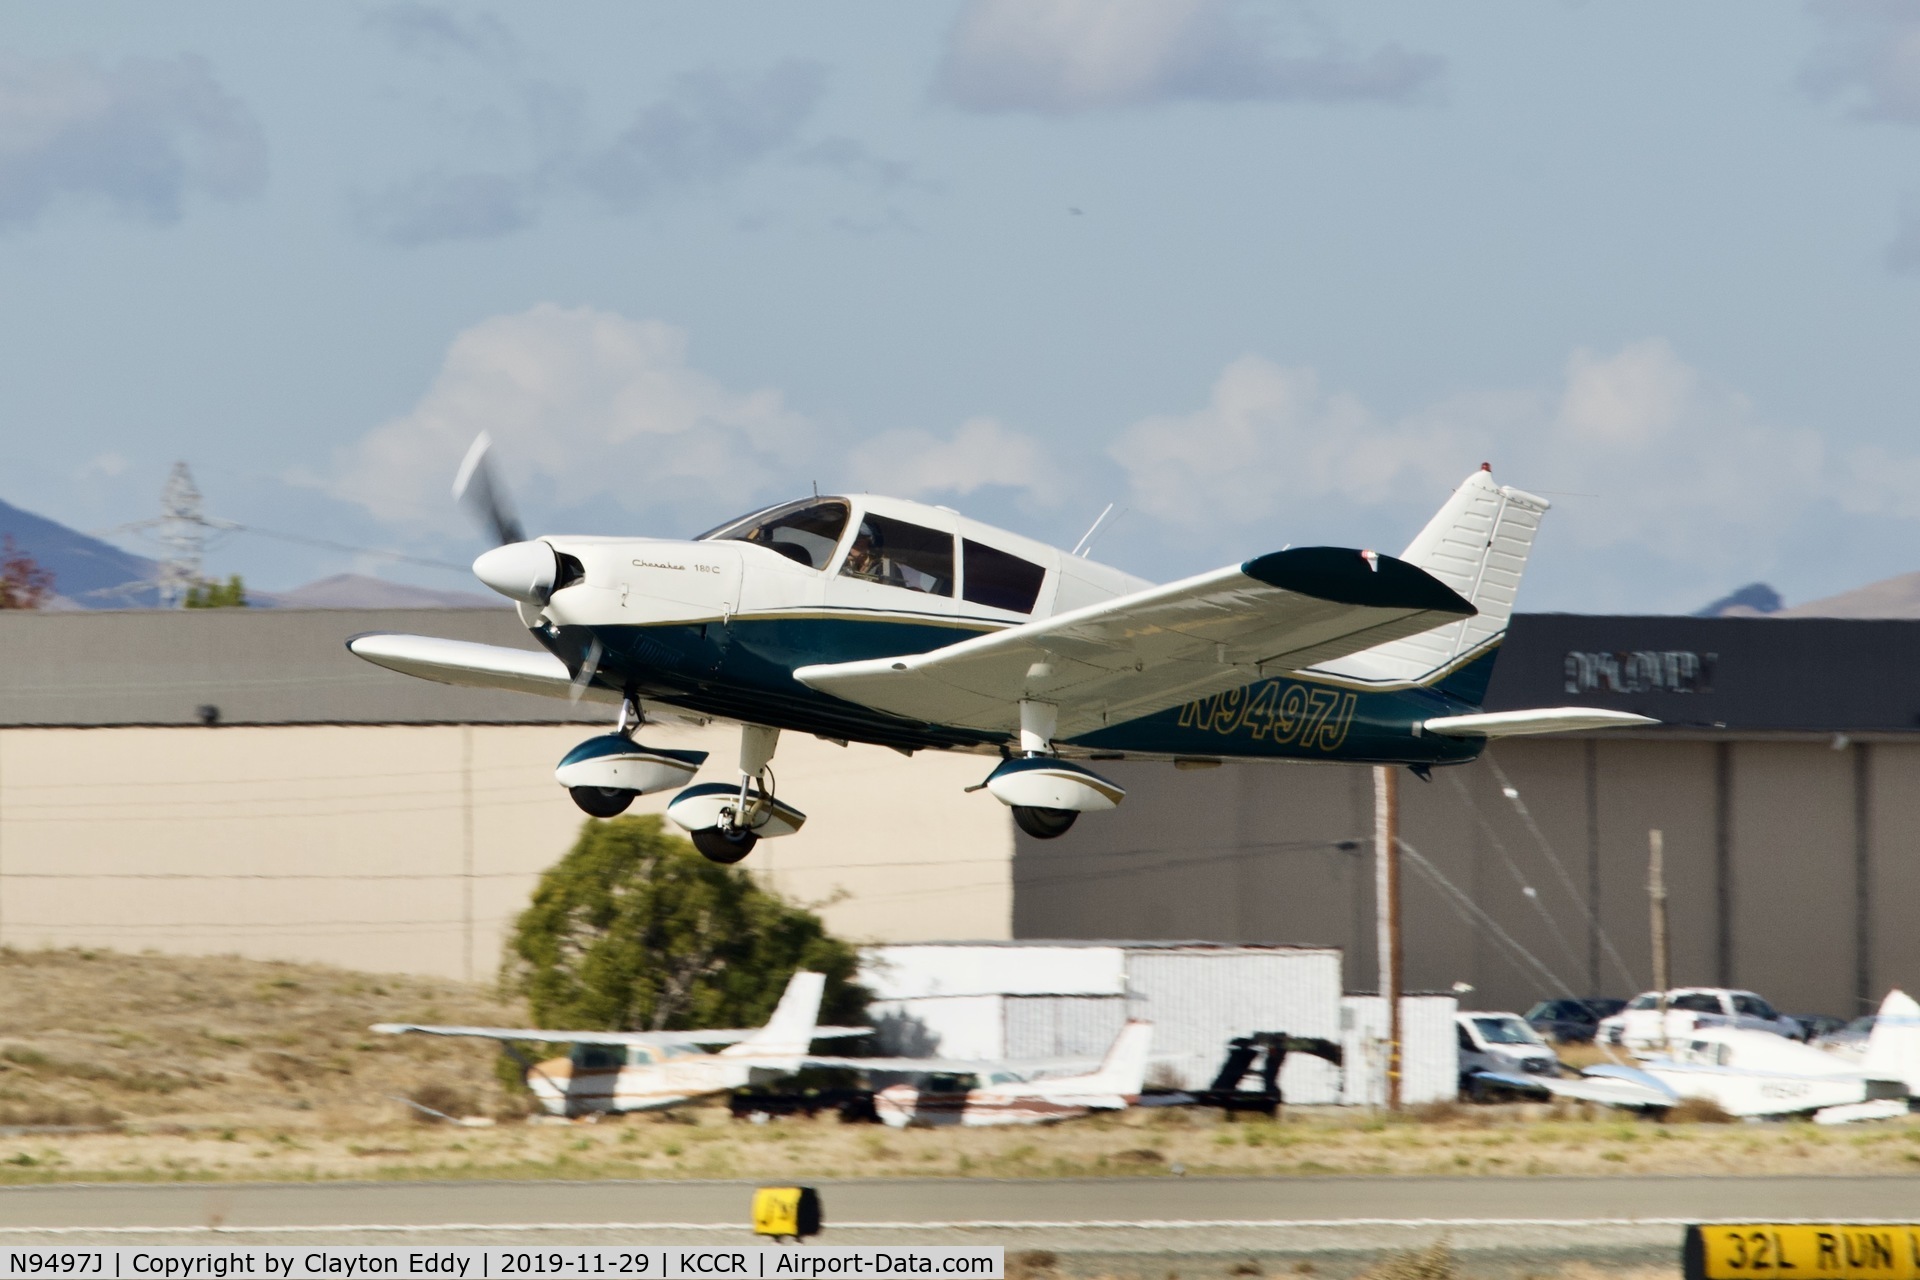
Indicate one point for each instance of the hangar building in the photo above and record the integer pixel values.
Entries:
(1785, 776)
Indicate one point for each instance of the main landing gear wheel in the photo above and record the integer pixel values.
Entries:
(601, 802)
(1043, 824)
(725, 845)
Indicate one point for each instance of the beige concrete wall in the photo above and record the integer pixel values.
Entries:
(410, 849)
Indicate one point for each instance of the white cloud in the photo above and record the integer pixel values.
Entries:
(1078, 55)
(1269, 437)
(1651, 453)
(593, 403)
(981, 453)
(140, 137)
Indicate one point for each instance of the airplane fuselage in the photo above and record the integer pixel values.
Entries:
(717, 628)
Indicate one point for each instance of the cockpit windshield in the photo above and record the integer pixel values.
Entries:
(805, 532)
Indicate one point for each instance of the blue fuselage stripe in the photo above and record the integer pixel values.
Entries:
(743, 670)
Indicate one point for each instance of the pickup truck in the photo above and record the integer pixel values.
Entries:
(1638, 1025)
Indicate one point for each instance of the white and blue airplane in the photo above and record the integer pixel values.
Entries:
(860, 618)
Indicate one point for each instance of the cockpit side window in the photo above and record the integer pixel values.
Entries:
(898, 554)
(806, 532)
(999, 580)
(598, 1057)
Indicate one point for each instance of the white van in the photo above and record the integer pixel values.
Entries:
(1501, 1042)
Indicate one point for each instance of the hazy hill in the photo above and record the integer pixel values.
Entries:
(85, 570)
(358, 591)
(1896, 597)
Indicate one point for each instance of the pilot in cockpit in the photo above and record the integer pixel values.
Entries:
(867, 558)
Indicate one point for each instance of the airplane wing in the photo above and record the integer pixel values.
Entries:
(464, 662)
(922, 1066)
(1508, 724)
(1160, 647)
(1614, 1091)
(602, 1037)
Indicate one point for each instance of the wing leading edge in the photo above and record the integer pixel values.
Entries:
(731, 1036)
(1158, 648)
(464, 662)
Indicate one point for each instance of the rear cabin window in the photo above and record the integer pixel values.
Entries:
(806, 532)
(998, 580)
(897, 554)
(1696, 1002)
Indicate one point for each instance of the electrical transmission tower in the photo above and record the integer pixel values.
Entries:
(181, 532)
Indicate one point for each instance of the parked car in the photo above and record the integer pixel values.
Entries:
(1500, 1042)
(1570, 1021)
(1817, 1026)
(1638, 1025)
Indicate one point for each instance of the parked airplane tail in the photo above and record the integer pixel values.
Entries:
(1124, 1070)
(1893, 1046)
(1477, 543)
(790, 1030)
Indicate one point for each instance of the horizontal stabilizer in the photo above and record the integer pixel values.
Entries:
(1513, 724)
(479, 666)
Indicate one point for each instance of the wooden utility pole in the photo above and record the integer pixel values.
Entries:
(1386, 896)
(1657, 902)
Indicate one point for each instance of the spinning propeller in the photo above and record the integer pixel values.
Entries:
(479, 487)
(516, 568)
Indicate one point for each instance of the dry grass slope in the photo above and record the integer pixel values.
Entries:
(94, 1037)
(220, 1068)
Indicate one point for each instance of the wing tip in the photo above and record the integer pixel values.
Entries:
(1348, 575)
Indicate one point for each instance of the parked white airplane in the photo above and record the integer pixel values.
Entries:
(652, 1070)
(1007, 1096)
(1759, 1073)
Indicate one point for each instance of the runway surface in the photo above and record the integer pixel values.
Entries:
(1526, 1219)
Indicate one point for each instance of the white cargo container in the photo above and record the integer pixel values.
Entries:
(1429, 1052)
(1026, 1000)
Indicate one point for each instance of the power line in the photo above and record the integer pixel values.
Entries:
(1512, 794)
(1433, 873)
(1527, 891)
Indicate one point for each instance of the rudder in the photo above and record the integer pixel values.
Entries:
(1477, 543)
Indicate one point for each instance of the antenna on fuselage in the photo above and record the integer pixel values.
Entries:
(1082, 547)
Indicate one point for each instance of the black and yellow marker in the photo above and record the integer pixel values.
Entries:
(1802, 1251)
(789, 1212)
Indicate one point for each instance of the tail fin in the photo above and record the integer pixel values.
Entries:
(1893, 1046)
(790, 1030)
(1477, 544)
(1124, 1069)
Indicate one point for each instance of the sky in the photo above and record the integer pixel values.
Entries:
(1257, 273)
